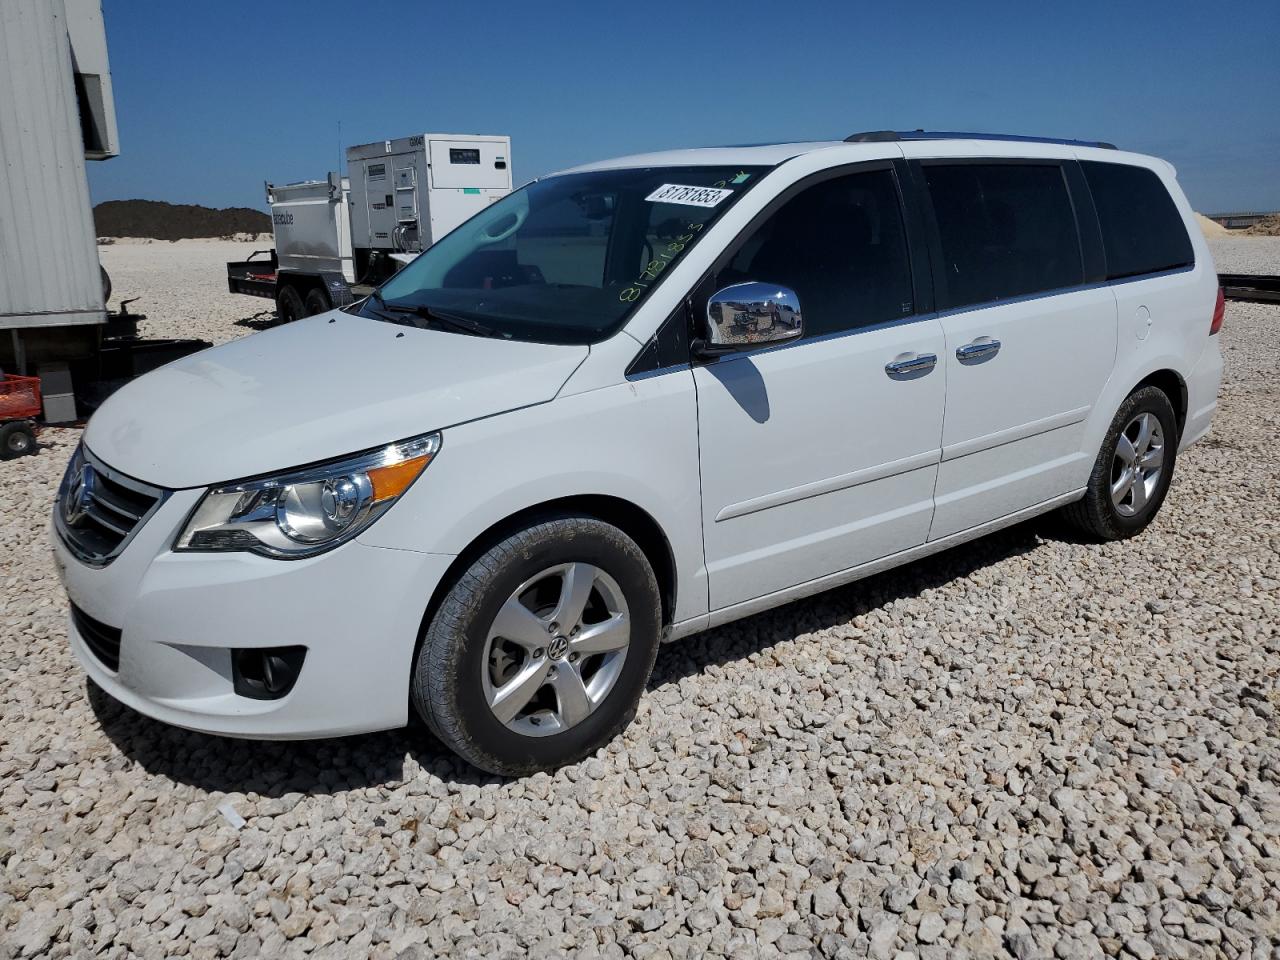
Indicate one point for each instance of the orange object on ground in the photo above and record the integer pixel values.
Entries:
(19, 397)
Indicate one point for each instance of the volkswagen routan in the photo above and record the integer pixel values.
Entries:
(626, 403)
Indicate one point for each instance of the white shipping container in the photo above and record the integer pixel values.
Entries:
(49, 272)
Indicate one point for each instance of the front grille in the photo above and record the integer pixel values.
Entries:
(99, 510)
(103, 641)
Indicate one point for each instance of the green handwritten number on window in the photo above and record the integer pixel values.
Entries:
(658, 264)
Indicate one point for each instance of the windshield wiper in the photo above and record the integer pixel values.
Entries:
(385, 313)
(451, 320)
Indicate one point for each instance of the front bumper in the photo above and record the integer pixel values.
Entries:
(357, 609)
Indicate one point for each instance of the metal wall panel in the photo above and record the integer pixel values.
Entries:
(49, 274)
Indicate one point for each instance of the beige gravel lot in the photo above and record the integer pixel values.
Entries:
(1030, 746)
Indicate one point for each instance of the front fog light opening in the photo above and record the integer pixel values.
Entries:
(266, 673)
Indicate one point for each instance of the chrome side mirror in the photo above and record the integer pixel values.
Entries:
(747, 315)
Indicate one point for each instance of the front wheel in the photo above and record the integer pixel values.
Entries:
(1133, 471)
(540, 651)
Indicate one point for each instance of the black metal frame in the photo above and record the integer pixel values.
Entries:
(240, 281)
(1256, 288)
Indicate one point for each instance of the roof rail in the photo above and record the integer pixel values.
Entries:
(887, 136)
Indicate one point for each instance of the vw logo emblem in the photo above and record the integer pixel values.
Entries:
(557, 648)
(79, 495)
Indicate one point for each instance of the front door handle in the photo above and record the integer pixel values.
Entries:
(906, 365)
(984, 348)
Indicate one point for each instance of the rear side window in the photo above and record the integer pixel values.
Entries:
(841, 246)
(1007, 230)
(1142, 231)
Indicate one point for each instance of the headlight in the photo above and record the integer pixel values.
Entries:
(307, 511)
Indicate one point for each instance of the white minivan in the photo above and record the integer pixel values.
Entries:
(624, 404)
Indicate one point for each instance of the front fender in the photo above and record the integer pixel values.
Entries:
(636, 441)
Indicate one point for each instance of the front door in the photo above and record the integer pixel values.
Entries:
(821, 455)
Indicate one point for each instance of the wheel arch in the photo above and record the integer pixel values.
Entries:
(633, 520)
(1171, 383)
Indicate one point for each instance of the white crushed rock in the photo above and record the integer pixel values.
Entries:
(181, 287)
(1026, 747)
(1240, 254)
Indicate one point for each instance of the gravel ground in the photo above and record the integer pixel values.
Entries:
(181, 286)
(1246, 254)
(1026, 747)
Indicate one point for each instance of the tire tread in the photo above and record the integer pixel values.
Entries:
(1093, 514)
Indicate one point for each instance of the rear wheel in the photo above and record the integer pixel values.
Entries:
(316, 301)
(289, 306)
(16, 440)
(540, 651)
(1133, 471)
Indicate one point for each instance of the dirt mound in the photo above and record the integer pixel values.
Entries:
(1210, 228)
(1266, 227)
(174, 221)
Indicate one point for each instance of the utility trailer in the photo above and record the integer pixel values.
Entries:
(310, 268)
(336, 238)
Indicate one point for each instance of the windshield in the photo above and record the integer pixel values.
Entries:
(562, 260)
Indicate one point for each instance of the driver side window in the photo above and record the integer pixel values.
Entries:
(841, 246)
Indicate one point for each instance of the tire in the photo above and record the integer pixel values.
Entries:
(316, 301)
(289, 306)
(1098, 514)
(16, 440)
(106, 285)
(463, 664)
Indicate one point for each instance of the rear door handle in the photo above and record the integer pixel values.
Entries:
(906, 364)
(984, 348)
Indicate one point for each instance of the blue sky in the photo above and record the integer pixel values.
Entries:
(215, 98)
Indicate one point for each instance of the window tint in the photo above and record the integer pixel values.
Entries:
(840, 245)
(1142, 231)
(1007, 230)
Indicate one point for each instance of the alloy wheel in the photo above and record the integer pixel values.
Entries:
(1138, 464)
(555, 649)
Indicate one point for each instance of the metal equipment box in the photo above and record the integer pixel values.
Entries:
(311, 226)
(408, 193)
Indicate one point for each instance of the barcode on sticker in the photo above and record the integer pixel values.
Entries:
(690, 196)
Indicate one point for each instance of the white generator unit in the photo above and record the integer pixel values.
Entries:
(408, 193)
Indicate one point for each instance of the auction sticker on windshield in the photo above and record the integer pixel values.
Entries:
(690, 196)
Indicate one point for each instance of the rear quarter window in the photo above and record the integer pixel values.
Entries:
(1142, 230)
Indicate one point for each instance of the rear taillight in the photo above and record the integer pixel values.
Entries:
(1219, 313)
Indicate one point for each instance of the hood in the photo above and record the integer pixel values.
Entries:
(312, 390)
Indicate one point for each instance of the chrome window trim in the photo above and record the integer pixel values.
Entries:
(160, 494)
